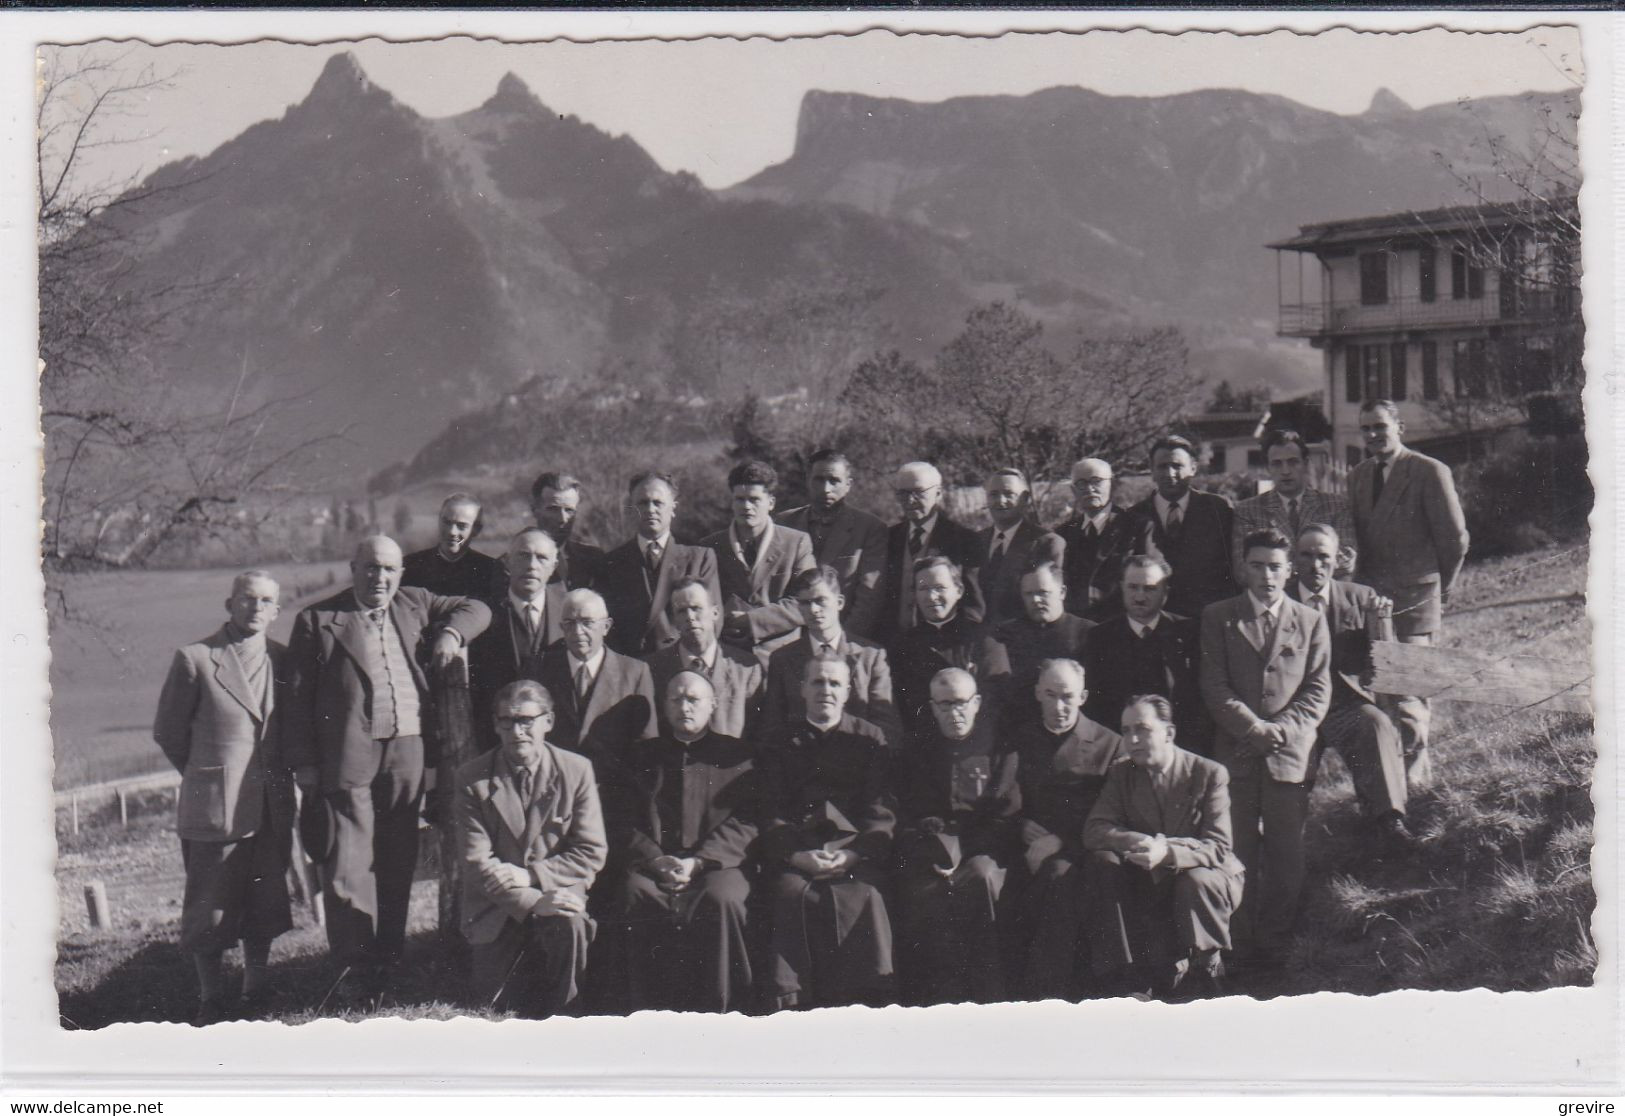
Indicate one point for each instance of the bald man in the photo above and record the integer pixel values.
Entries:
(925, 532)
(361, 664)
(1098, 537)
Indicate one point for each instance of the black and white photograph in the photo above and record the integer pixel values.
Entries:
(563, 528)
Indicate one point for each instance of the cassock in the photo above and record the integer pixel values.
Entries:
(927, 648)
(687, 950)
(1027, 643)
(870, 698)
(1121, 663)
(473, 574)
(831, 940)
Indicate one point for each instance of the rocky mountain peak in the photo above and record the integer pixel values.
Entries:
(1385, 102)
(513, 95)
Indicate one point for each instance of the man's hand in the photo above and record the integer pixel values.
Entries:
(1041, 850)
(1150, 852)
(559, 902)
(307, 777)
(674, 873)
(808, 863)
(506, 877)
(837, 863)
(446, 646)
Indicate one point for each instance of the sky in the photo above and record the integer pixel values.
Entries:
(724, 109)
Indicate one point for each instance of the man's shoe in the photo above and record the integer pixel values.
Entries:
(1394, 834)
(255, 1004)
(209, 1011)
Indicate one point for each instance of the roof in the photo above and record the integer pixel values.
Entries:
(1418, 223)
(1224, 424)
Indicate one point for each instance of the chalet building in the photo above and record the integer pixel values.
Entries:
(1468, 317)
(1228, 441)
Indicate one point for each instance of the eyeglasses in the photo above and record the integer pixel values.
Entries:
(915, 493)
(520, 722)
(589, 622)
(960, 706)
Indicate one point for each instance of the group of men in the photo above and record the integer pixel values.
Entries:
(816, 759)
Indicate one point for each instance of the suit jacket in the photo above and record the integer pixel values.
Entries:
(737, 679)
(1200, 556)
(805, 771)
(1413, 540)
(618, 712)
(637, 602)
(504, 653)
(578, 564)
(1191, 807)
(223, 737)
(1061, 776)
(1000, 579)
(1027, 644)
(1268, 509)
(475, 574)
(1286, 680)
(1118, 667)
(328, 721)
(854, 543)
(560, 840)
(763, 588)
(947, 538)
(870, 699)
(925, 649)
(1348, 607)
(702, 800)
(1094, 566)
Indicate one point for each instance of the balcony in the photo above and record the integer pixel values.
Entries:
(1325, 319)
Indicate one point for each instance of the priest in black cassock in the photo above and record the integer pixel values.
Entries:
(452, 567)
(1044, 630)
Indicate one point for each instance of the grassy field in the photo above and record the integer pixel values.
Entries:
(1497, 896)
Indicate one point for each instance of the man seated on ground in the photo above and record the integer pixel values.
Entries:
(1062, 761)
(1045, 630)
(1361, 732)
(825, 847)
(946, 636)
(524, 625)
(216, 723)
(736, 676)
(533, 841)
(817, 593)
(685, 839)
(1161, 878)
(452, 567)
(1013, 544)
(961, 793)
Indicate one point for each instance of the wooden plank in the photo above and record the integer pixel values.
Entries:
(1483, 677)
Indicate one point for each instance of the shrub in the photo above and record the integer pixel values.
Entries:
(1528, 493)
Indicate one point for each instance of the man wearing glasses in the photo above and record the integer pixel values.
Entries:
(1098, 537)
(925, 532)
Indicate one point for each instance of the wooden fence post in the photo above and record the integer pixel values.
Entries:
(123, 808)
(453, 723)
(75, 813)
(96, 904)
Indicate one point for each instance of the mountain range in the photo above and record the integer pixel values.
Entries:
(392, 273)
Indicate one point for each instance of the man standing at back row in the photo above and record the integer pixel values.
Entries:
(925, 532)
(555, 501)
(1412, 540)
(844, 537)
(1188, 529)
(1291, 505)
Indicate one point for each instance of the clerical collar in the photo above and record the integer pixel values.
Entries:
(1066, 731)
(823, 729)
(940, 624)
(704, 732)
(458, 557)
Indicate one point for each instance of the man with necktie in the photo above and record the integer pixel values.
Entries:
(1190, 530)
(1012, 545)
(636, 579)
(605, 701)
(1098, 538)
(1290, 505)
(735, 677)
(926, 531)
(756, 558)
(527, 622)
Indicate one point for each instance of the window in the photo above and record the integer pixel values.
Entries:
(1472, 375)
(1466, 280)
(1374, 381)
(1373, 278)
(1427, 265)
(1430, 370)
(1351, 374)
(1396, 371)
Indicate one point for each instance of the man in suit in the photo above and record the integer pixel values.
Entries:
(452, 567)
(1148, 650)
(1266, 678)
(1062, 758)
(847, 538)
(960, 795)
(756, 558)
(1291, 504)
(683, 890)
(353, 733)
(636, 578)
(234, 813)
(1412, 539)
(528, 621)
(1189, 530)
(735, 678)
(817, 593)
(946, 636)
(925, 532)
(1161, 877)
(1012, 545)
(1044, 631)
(825, 846)
(1355, 725)
(605, 700)
(1098, 537)
(555, 501)
(533, 842)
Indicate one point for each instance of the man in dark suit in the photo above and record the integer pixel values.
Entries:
(682, 890)
(1098, 537)
(1044, 631)
(1266, 678)
(1291, 505)
(533, 842)
(847, 538)
(817, 592)
(736, 679)
(636, 578)
(1161, 877)
(1148, 650)
(1190, 530)
(1412, 540)
(452, 567)
(528, 621)
(216, 723)
(756, 558)
(1013, 545)
(825, 846)
(555, 501)
(945, 637)
(925, 532)
(1355, 725)
(360, 695)
(605, 701)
